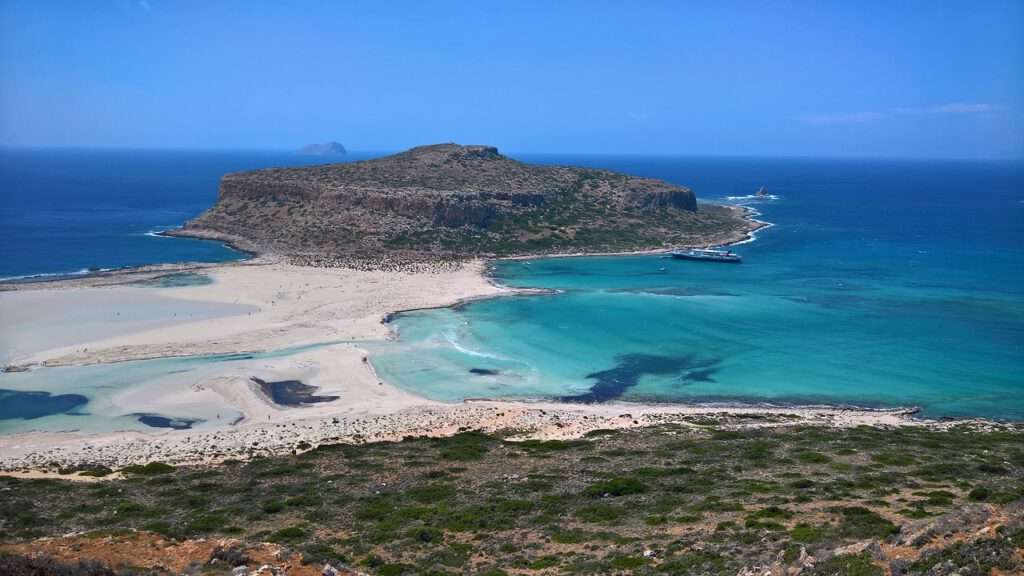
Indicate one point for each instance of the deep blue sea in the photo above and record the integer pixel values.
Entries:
(880, 283)
(67, 211)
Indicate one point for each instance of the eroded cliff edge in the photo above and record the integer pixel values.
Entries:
(452, 202)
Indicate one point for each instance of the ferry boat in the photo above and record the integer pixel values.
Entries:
(707, 255)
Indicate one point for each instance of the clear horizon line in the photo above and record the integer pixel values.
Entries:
(514, 153)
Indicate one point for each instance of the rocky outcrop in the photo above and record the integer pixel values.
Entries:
(453, 201)
(660, 199)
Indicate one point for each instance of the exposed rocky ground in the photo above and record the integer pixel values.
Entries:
(709, 497)
(451, 202)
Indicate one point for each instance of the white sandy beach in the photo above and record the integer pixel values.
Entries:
(264, 307)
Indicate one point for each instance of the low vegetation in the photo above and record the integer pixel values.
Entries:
(667, 500)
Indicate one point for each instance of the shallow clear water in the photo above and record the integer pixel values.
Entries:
(103, 386)
(153, 388)
(882, 283)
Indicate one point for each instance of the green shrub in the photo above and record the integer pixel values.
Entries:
(396, 569)
(289, 534)
(808, 533)
(600, 432)
(990, 468)
(426, 535)
(758, 450)
(937, 497)
(160, 527)
(571, 536)
(150, 469)
(772, 512)
(431, 493)
(615, 487)
(600, 513)
(97, 472)
(627, 562)
(547, 447)
(809, 457)
(272, 506)
(544, 562)
(861, 523)
(893, 458)
(207, 523)
(465, 446)
(802, 484)
(320, 553)
(979, 493)
(849, 565)
(696, 562)
(303, 500)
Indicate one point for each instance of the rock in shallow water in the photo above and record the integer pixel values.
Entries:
(290, 392)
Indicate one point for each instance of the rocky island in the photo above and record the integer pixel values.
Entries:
(453, 202)
(325, 149)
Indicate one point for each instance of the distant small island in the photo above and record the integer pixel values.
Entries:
(325, 149)
(454, 202)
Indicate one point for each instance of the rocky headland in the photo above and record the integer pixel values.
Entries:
(452, 202)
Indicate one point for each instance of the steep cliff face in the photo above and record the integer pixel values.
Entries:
(660, 199)
(454, 201)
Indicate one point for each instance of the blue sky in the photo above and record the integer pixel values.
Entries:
(826, 78)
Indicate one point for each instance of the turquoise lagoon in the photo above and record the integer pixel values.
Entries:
(880, 284)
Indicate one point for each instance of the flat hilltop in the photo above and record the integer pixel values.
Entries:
(448, 201)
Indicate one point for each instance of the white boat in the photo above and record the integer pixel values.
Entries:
(708, 255)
